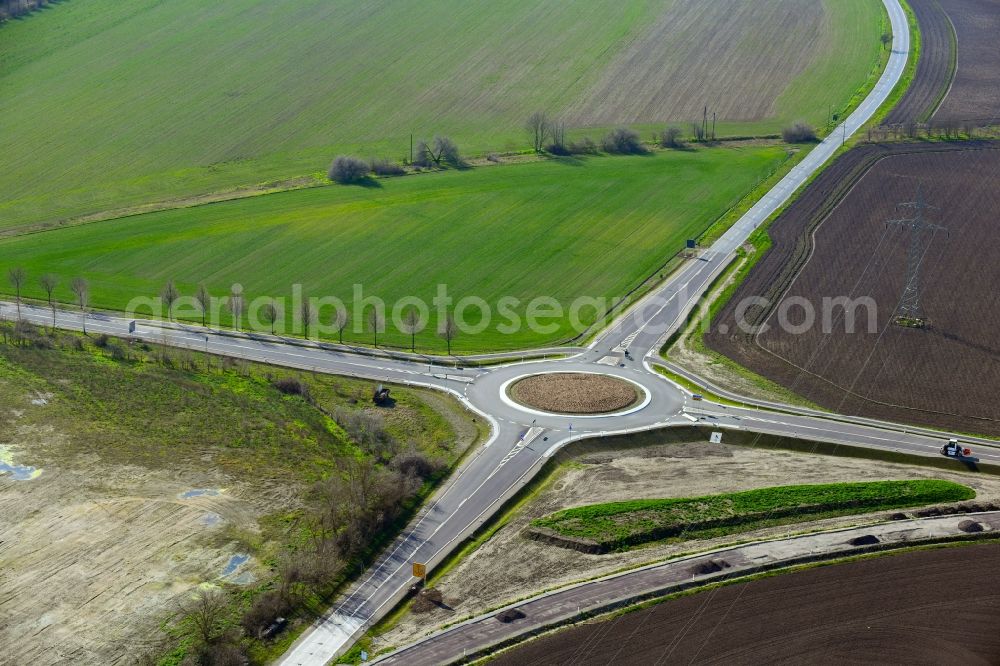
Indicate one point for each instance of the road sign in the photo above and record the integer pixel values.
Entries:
(692, 244)
(364, 656)
(419, 570)
(716, 438)
(131, 326)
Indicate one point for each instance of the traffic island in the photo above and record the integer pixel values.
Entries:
(575, 393)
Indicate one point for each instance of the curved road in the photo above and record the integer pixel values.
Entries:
(522, 440)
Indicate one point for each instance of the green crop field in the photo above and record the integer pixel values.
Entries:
(621, 525)
(592, 227)
(109, 104)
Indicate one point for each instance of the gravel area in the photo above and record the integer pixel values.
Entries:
(574, 393)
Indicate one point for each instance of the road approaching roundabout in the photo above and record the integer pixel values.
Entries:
(528, 428)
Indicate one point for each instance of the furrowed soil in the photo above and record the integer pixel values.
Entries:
(930, 606)
(828, 245)
(508, 566)
(975, 93)
(179, 99)
(934, 69)
(149, 479)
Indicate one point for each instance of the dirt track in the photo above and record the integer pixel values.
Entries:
(574, 393)
(938, 606)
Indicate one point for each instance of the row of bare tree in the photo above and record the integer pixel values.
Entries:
(18, 278)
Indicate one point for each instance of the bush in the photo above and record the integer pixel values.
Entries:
(671, 138)
(622, 141)
(415, 463)
(798, 133)
(384, 167)
(102, 340)
(291, 386)
(368, 430)
(584, 146)
(493, 157)
(560, 149)
(345, 170)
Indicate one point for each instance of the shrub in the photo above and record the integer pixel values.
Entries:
(622, 141)
(384, 167)
(584, 146)
(493, 157)
(102, 340)
(265, 609)
(671, 138)
(798, 133)
(560, 149)
(415, 463)
(347, 170)
(291, 386)
(368, 430)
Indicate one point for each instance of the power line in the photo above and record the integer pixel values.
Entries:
(918, 225)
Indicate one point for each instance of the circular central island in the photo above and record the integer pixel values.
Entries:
(575, 393)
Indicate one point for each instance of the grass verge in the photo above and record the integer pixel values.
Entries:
(624, 525)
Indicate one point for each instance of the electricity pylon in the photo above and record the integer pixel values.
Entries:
(918, 225)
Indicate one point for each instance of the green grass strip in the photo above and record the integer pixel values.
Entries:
(622, 525)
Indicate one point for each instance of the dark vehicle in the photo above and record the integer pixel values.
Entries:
(381, 395)
(955, 450)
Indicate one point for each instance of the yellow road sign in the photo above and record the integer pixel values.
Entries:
(419, 569)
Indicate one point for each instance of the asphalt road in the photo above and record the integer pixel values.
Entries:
(521, 439)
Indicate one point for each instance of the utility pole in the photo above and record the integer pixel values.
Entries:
(917, 224)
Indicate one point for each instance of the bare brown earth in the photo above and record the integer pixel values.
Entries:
(924, 607)
(834, 241)
(975, 92)
(574, 393)
(934, 68)
(509, 567)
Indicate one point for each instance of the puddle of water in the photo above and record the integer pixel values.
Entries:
(199, 492)
(235, 562)
(16, 472)
(210, 519)
(243, 579)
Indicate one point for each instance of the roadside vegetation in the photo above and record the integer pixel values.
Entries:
(332, 476)
(623, 525)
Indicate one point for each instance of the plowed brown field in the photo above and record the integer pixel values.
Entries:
(927, 607)
(975, 93)
(827, 245)
(934, 68)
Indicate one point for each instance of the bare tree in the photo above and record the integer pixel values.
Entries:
(443, 149)
(207, 615)
(698, 131)
(236, 305)
(17, 276)
(340, 319)
(448, 330)
(269, 312)
(306, 314)
(49, 282)
(204, 302)
(81, 289)
(412, 325)
(346, 170)
(537, 127)
(375, 323)
(886, 39)
(170, 296)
